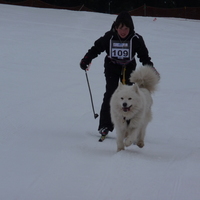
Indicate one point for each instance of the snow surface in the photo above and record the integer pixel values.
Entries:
(49, 147)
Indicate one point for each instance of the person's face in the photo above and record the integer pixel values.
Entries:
(122, 31)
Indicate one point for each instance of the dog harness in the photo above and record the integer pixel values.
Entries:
(127, 121)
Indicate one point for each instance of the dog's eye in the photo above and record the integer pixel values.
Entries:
(129, 98)
(122, 98)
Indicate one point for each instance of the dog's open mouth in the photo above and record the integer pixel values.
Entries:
(126, 109)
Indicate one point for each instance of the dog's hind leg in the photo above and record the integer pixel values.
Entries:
(140, 143)
(141, 135)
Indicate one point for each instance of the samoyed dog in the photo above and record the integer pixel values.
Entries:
(130, 107)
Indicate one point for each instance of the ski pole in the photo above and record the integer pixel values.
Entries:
(95, 114)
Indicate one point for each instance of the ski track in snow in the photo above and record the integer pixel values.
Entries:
(49, 145)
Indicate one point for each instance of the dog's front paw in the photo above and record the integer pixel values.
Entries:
(120, 149)
(140, 143)
(128, 142)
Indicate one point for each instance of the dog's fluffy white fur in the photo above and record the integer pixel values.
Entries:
(130, 107)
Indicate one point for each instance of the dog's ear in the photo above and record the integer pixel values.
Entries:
(120, 85)
(136, 88)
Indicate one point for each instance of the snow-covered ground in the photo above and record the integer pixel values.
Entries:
(49, 147)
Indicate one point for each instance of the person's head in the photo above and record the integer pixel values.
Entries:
(124, 24)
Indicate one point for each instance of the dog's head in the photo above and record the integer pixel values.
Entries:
(126, 104)
(127, 97)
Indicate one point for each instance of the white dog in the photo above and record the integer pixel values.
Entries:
(131, 107)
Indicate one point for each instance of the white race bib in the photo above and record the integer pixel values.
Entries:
(120, 50)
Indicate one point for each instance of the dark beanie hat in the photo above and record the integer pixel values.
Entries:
(124, 18)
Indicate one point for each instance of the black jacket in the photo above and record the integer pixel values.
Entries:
(103, 44)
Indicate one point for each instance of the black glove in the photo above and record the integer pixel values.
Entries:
(85, 63)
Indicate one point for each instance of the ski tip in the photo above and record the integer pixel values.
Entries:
(102, 138)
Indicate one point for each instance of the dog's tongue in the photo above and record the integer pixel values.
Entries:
(126, 109)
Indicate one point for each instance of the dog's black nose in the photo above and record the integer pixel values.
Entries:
(124, 104)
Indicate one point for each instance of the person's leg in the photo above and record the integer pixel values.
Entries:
(112, 81)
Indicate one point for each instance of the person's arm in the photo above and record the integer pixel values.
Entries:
(142, 52)
(100, 46)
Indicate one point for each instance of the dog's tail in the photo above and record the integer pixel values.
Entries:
(146, 77)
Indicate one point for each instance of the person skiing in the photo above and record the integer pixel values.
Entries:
(121, 44)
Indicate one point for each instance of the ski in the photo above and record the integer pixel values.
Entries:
(102, 138)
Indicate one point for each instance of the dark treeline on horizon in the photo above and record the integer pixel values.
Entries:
(114, 6)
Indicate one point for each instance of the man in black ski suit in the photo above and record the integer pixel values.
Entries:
(121, 44)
